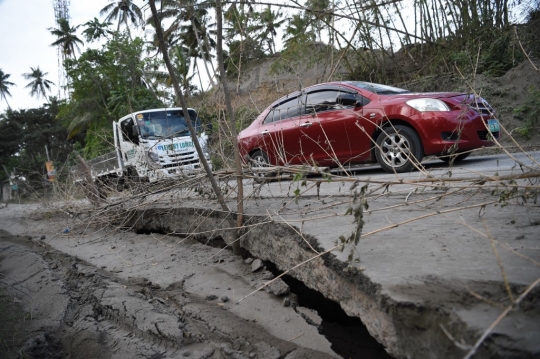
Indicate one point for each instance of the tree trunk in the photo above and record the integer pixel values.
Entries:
(223, 77)
(180, 96)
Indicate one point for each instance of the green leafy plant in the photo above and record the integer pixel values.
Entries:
(299, 180)
(529, 113)
(359, 204)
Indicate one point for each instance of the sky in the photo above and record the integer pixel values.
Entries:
(25, 42)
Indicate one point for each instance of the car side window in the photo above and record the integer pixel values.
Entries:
(351, 100)
(332, 99)
(321, 101)
(289, 108)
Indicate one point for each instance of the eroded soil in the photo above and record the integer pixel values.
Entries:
(71, 308)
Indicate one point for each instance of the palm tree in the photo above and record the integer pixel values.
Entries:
(4, 83)
(96, 30)
(319, 13)
(189, 27)
(123, 10)
(67, 38)
(181, 62)
(268, 24)
(297, 31)
(39, 86)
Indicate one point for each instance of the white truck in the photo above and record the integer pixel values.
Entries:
(149, 146)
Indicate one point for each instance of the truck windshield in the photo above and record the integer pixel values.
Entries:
(164, 124)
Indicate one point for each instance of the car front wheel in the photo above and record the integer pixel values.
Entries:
(259, 164)
(398, 149)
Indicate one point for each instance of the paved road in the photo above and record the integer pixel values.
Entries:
(471, 166)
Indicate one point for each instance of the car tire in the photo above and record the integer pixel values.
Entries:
(257, 160)
(398, 149)
(452, 159)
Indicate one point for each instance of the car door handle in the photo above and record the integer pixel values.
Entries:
(265, 132)
(306, 124)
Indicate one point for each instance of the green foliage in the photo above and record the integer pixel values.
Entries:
(247, 50)
(529, 113)
(123, 11)
(265, 27)
(4, 84)
(106, 84)
(24, 135)
(66, 37)
(297, 32)
(220, 139)
(502, 54)
(39, 86)
(244, 117)
(300, 56)
(359, 203)
(299, 180)
(98, 141)
(461, 59)
(96, 30)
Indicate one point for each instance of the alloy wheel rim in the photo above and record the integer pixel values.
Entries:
(258, 162)
(395, 150)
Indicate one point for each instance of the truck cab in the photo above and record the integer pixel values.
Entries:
(156, 144)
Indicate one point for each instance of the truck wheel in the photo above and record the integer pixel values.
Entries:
(101, 188)
(134, 182)
(398, 149)
(120, 184)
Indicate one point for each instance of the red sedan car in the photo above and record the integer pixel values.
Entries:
(343, 123)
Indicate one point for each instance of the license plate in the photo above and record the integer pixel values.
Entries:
(494, 125)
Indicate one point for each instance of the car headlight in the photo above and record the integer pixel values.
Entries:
(427, 104)
(153, 156)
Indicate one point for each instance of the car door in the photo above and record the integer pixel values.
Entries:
(332, 134)
(279, 132)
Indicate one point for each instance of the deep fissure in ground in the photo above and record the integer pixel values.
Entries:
(348, 335)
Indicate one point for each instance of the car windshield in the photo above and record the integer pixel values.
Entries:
(164, 124)
(378, 88)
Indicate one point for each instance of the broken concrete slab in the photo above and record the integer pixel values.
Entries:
(256, 265)
(277, 287)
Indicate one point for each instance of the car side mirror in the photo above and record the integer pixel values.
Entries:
(348, 100)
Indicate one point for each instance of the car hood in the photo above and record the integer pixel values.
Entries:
(452, 97)
(412, 95)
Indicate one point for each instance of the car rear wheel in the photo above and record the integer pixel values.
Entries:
(259, 164)
(451, 159)
(398, 149)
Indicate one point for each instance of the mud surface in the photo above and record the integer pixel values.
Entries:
(79, 310)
